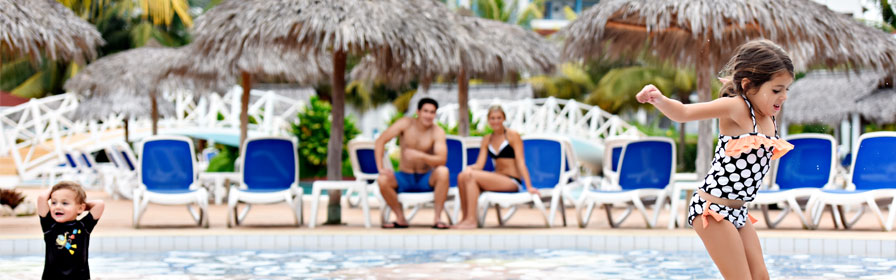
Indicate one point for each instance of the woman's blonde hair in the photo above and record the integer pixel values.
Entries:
(758, 61)
(496, 108)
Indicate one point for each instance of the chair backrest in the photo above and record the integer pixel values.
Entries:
(86, 159)
(874, 163)
(70, 159)
(612, 154)
(167, 164)
(473, 145)
(127, 157)
(363, 159)
(457, 157)
(269, 163)
(647, 163)
(112, 156)
(809, 165)
(545, 160)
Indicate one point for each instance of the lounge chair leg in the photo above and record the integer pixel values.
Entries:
(562, 211)
(498, 213)
(877, 214)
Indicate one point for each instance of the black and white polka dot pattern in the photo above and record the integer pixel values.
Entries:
(738, 217)
(735, 177)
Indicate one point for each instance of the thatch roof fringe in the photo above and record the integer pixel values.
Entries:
(496, 51)
(396, 32)
(674, 30)
(830, 97)
(33, 27)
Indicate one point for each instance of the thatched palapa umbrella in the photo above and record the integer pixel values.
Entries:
(829, 97)
(397, 32)
(119, 83)
(36, 27)
(704, 33)
(497, 51)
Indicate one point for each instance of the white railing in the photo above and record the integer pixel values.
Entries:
(46, 124)
(547, 115)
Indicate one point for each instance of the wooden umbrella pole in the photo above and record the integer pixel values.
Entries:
(155, 112)
(704, 127)
(126, 130)
(463, 115)
(334, 146)
(244, 107)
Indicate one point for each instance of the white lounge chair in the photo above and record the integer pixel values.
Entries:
(167, 175)
(645, 170)
(269, 174)
(803, 171)
(872, 177)
(547, 159)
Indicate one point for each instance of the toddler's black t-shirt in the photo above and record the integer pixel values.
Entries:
(67, 243)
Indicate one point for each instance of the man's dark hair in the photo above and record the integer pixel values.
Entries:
(427, 100)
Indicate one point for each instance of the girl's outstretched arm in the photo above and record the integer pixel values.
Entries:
(674, 110)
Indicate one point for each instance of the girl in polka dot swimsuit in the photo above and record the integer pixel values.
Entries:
(760, 74)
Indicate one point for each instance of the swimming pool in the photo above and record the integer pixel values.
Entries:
(445, 264)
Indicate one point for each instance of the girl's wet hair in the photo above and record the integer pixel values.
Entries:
(496, 108)
(758, 61)
(80, 195)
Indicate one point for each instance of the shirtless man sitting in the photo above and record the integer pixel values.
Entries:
(422, 165)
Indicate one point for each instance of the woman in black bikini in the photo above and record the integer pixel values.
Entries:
(505, 147)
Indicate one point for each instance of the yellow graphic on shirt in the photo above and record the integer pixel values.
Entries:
(66, 241)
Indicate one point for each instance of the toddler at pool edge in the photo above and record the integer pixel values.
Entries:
(66, 237)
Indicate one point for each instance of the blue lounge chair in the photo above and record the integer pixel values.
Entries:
(455, 162)
(269, 174)
(167, 175)
(546, 159)
(803, 171)
(645, 171)
(872, 177)
(612, 154)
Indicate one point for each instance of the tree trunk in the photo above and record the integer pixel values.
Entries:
(126, 130)
(244, 108)
(463, 112)
(155, 112)
(704, 127)
(682, 132)
(334, 146)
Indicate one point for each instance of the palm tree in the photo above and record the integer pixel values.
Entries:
(615, 90)
(508, 11)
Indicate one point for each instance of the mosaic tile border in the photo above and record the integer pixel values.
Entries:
(607, 243)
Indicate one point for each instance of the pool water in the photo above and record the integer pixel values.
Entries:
(444, 264)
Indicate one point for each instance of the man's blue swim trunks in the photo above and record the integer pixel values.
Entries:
(413, 182)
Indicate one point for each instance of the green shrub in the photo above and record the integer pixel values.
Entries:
(223, 161)
(313, 132)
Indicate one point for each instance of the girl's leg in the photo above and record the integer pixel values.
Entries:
(723, 242)
(753, 251)
(479, 181)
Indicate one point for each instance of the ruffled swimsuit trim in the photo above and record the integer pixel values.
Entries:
(748, 142)
(718, 217)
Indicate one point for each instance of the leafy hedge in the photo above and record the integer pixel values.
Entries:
(313, 132)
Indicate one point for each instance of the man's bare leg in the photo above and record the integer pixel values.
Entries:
(388, 186)
(440, 181)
